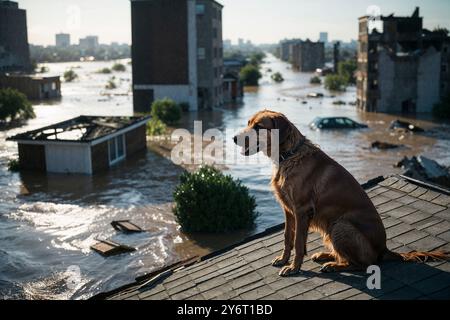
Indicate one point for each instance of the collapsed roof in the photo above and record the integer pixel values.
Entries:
(80, 129)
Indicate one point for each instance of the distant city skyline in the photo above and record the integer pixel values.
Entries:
(261, 21)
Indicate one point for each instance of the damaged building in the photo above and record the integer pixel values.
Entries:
(15, 63)
(177, 52)
(305, 56)
(402, 67)
(34, 86)
(83, 145)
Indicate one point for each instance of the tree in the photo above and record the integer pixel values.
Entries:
(335, 82)
(104, 71)
(277, 77)
(250, 75)
(257, 58)
(166, 110)
(347, 69)
(70, 75)
(315, 80)
(14, 105)
(111, 84)
(118, 67)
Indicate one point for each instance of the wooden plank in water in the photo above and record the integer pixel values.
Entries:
(126, 226)
(108, 248)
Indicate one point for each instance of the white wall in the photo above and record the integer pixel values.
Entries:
(68, 158)
(178, 93)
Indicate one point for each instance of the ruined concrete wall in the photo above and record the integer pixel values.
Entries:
(397, 82)
(428, 91)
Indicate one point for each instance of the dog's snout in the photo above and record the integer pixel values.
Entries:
(235, 139)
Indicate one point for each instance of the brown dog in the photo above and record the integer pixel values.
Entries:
(317, 193)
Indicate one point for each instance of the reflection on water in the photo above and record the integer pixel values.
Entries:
(48, 222)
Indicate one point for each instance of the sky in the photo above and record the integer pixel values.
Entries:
(261, 21)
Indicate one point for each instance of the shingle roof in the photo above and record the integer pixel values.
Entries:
(416, 217)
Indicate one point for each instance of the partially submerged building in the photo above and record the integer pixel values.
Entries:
(402, 67)
(285, 50)
(14, 50)
(307, 56)
(34, 86)
(233, 88)
(15, 62)
(177, 52)
(83, 145)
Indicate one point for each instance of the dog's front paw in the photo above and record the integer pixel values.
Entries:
(280, 261)
(289, 270)
(329, 267)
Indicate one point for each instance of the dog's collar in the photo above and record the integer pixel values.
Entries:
(284, 156)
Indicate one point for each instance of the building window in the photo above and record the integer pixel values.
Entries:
(201, 52)
(116, 149)
(215, 33)
(200, 9)
(444, 68)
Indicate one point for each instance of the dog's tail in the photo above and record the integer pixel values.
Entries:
(417, 256)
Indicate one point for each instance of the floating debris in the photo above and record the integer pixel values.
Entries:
(385, 145)
(403, 125)
(126, 226)
(108, 248)
(315, 95)
(425, 169)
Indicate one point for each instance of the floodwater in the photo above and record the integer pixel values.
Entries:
(48, 222)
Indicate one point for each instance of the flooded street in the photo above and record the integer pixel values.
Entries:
(48, 222)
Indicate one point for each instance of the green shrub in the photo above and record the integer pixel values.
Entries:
(42, 69)
(347, 69)
(335, 82)
(315, 80)
(104, 71)
(111, 84)
(156, 127)
(14, 105)
(257, 58)
(118, 67)
(166, 110)
(442, 109)
(250, 75)
(70, 75)
(209, 201)
(277, 77)
(14, 165)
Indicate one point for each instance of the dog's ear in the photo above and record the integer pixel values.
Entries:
(283, 125)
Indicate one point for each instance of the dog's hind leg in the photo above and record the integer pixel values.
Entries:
(323, 256)
(353, 250)
(330, 255)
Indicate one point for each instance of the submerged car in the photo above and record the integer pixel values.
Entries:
(335, 123)
(315, 95)
(406, 126)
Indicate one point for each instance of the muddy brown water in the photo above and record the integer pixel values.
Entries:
(48, 222)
